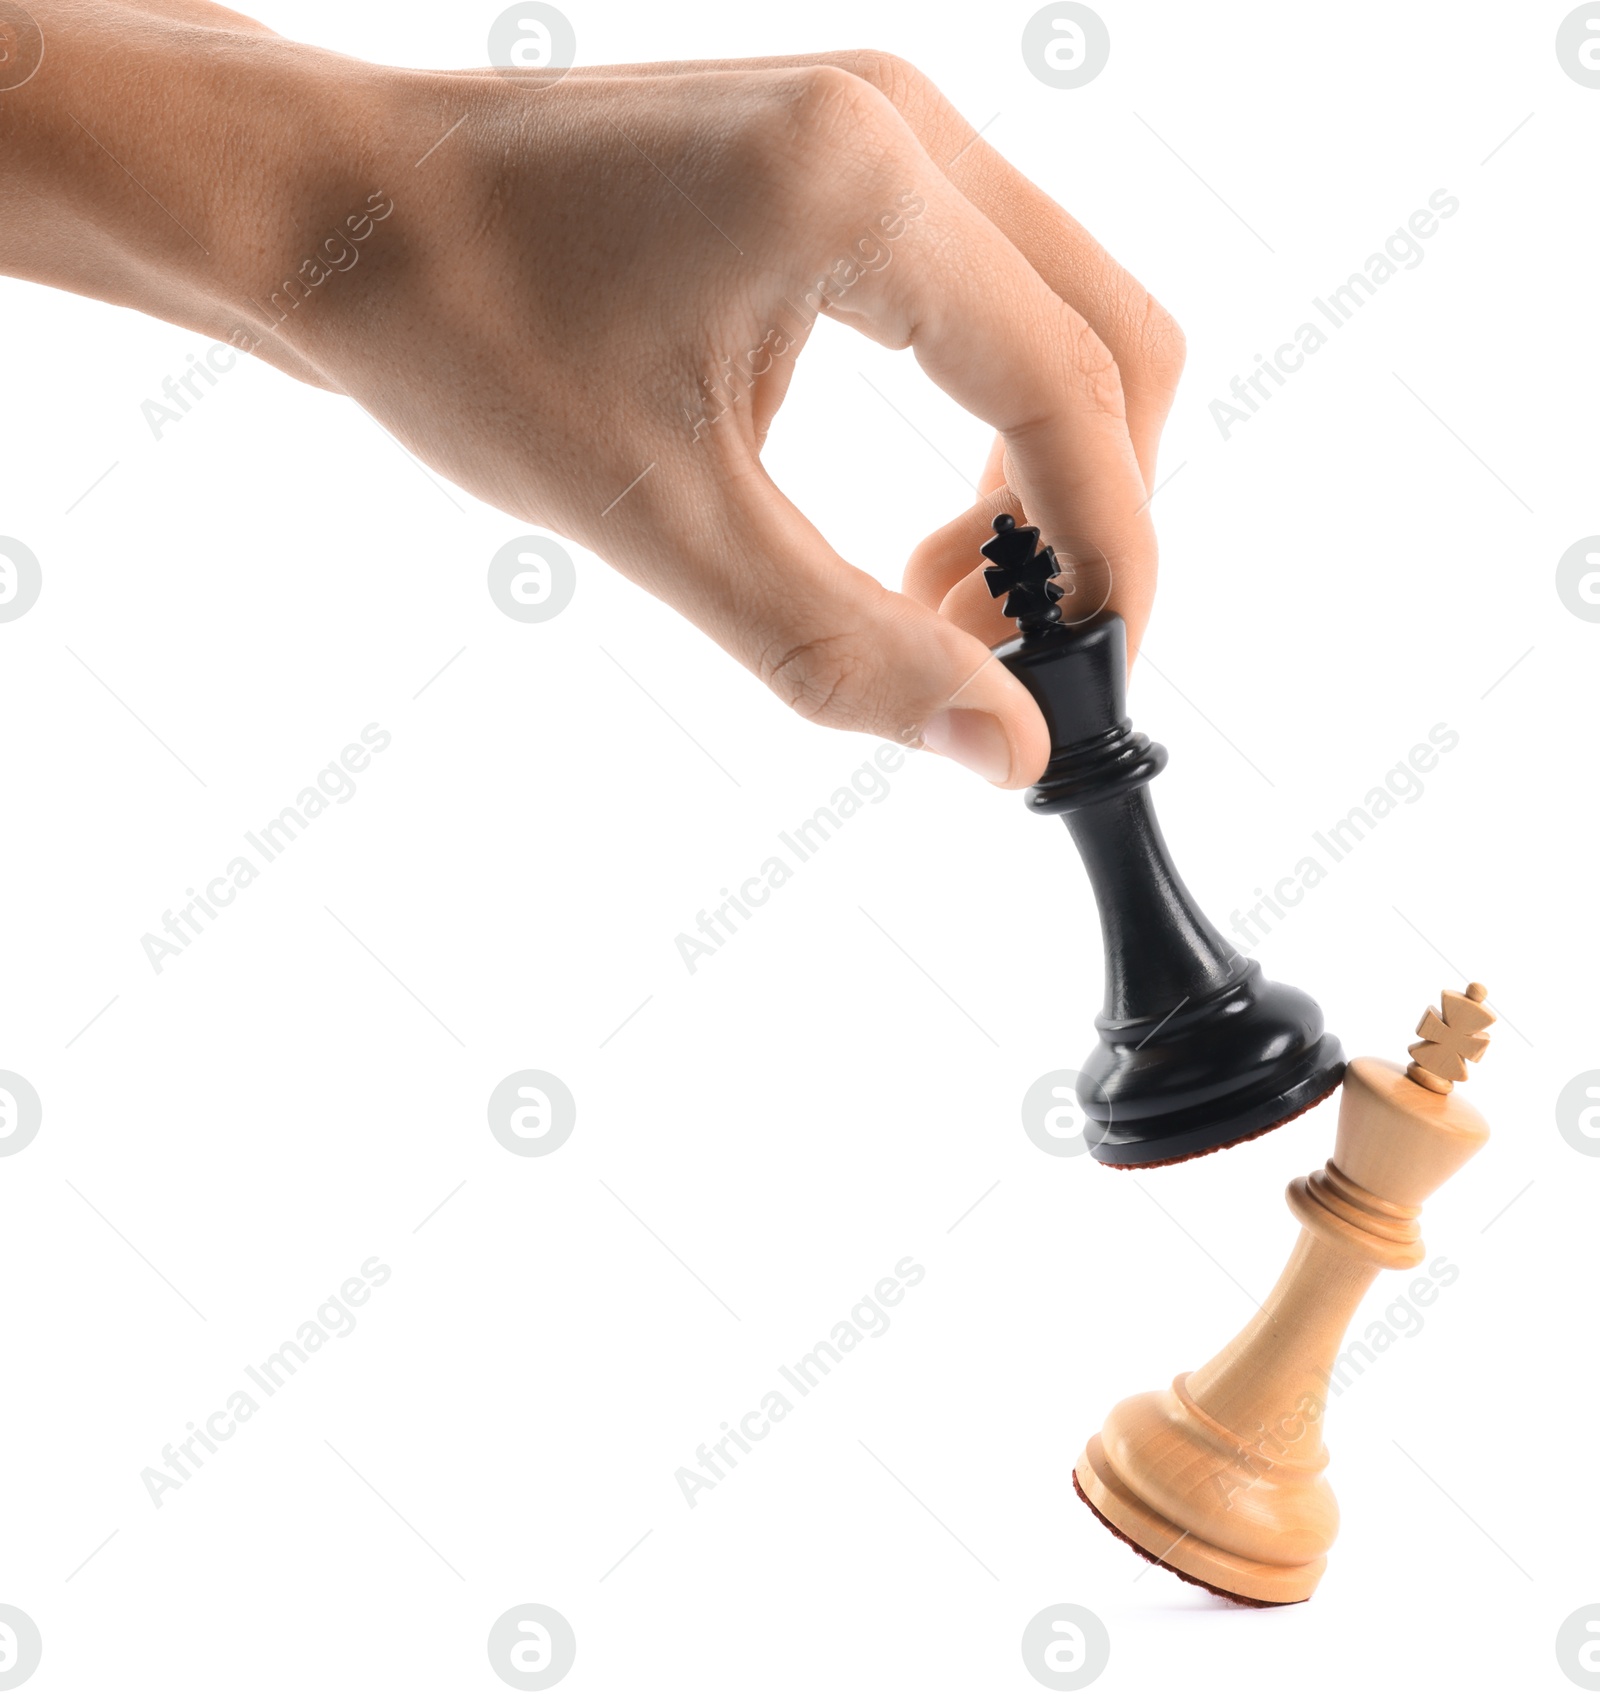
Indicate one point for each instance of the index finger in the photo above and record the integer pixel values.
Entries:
(996, 338)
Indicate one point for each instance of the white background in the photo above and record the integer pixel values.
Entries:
(809, 1107)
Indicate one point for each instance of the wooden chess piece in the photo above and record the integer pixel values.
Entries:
(1220, 1477)
(1197, 1050)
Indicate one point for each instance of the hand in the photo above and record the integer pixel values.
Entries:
(547, 312)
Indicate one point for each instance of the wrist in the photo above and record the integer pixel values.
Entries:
(183, 170)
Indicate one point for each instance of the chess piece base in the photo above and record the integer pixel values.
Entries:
(1252, 1581)
(1188, 1131)
(1161, 1564)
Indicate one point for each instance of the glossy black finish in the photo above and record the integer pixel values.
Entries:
(1197, 1048)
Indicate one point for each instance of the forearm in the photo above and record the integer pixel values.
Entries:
(177, 160)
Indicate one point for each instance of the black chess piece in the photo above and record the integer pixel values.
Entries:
(1198, 1050)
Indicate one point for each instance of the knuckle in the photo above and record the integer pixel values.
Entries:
(826, 104)
(1159, 345)
(1096, 371)
(918, 99)
(832, 144)
(820, 679)
(897, 79)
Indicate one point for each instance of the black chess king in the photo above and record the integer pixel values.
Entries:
(1197, 1049)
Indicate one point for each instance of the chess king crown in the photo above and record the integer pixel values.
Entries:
(1197, 1050)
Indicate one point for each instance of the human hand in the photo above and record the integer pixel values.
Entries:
(548, 314)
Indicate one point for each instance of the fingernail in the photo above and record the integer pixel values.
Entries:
(971, 738)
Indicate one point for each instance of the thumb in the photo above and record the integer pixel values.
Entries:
(842, 650)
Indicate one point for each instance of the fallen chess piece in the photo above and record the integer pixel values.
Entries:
(1198, 1050)
(1220, 1478)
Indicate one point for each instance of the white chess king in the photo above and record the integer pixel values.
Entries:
(1220, 1477)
